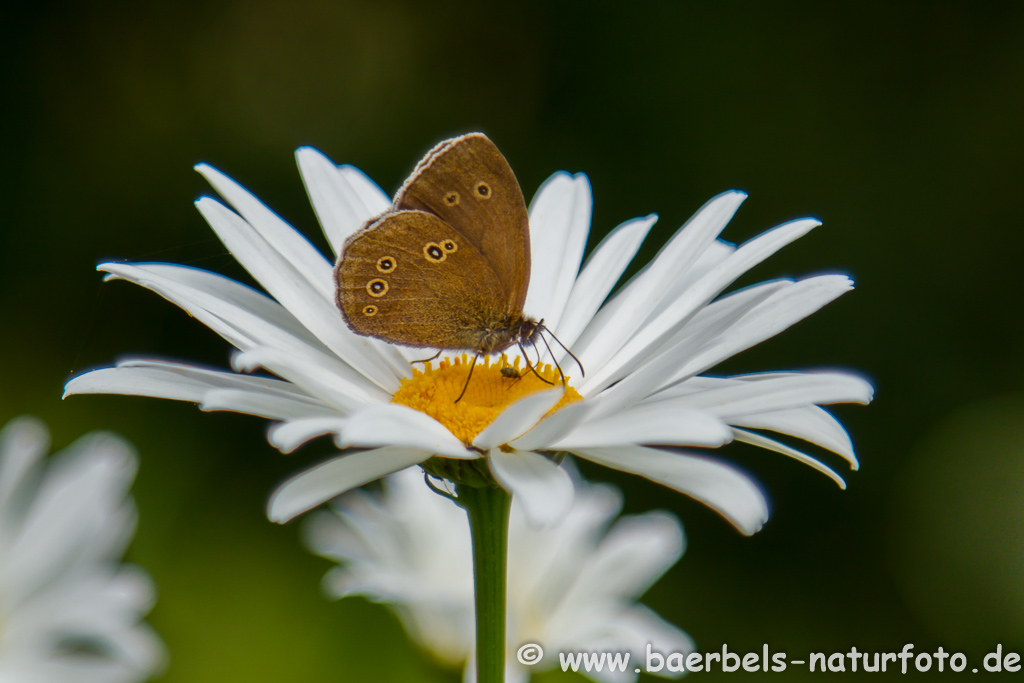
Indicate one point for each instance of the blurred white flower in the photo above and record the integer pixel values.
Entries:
(70, 611)
(571, 587)
(643, 350)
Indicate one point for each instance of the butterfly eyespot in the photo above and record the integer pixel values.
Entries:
(483, 190)
(433, 252)
(451, 199)
(369, 311)
(386, 264)
(376, 288)
(449, 246)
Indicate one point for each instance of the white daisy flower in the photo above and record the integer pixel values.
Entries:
(572, 587)
(70, 612)
(643, 349)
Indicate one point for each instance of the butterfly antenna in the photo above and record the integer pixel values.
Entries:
(583, 373)
(529, 365)
(468, 377)
(560, 373)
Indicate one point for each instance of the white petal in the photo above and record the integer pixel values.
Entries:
(766, 393)
(97, 602)
(634, 554)
(656, 331)
(780, 311)
(543, 488)
(698, 334)
(331, 389)
(234, 295)
(559, 223)
(288, 436)
(219, 303)
(181, 383)
(398, 425)
(279, 236)
(717, 251)
(632, 629)
(543, 570)
(76, 516)
(724, 489)
(517, 418)
(602, 270)
(264, 405)
(663, 422)
(324, 533)
(809, 423)
(334, 477)
(308, 303)
(175, 381)
(344, 199)
(617, 320)
(23, 443)
(553, 428)
(374, 198)
(773, 445)
(515, 672)
(663, 636)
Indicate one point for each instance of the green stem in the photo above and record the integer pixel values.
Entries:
(487, 508)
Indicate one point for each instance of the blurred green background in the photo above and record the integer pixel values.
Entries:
(899, 125)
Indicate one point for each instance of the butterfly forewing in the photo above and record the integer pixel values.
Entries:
(470, 186)
(412, 279)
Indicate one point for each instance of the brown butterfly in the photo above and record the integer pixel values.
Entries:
(448, 265)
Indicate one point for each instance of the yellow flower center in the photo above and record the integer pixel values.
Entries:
(492, 389)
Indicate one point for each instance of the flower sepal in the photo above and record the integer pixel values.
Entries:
(473, 473)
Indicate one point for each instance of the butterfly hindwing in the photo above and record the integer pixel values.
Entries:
(410, 278)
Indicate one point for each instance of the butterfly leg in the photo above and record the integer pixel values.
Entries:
(427, 360)
(529, 364)
(468, 377)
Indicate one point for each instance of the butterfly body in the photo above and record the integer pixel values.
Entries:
(448, 265)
